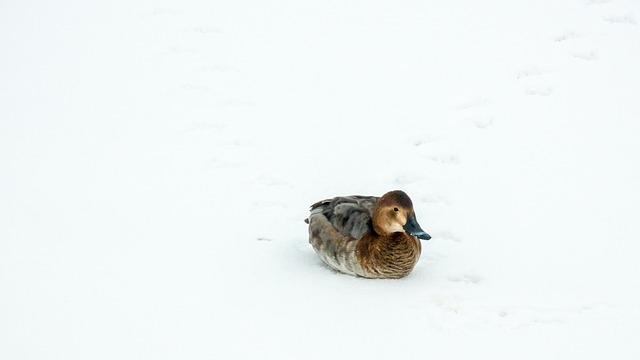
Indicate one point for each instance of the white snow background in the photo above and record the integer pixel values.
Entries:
(157, 159)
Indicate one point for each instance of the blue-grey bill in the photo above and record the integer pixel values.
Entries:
(413, 228)
(422, 235)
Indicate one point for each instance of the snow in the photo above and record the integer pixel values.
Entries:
(158, 159)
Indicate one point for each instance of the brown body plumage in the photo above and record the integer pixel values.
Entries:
(368, 236)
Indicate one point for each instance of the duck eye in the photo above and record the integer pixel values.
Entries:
(395, 209)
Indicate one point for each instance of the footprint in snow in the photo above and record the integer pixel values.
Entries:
(195, 88)
(202, 126)
(543, 91)
(403, 180)
(621, 20)
(233, 103)
(163, 12)
(465, 278)
(435, 200)
(591, 55)
(424, 140)
(472, 104)
(449, 303)
(207, 30)
(180, 50)
(567, 36)
(482, 123)
(531, 72)
(452, 159)
(217, 68)
(597, 2)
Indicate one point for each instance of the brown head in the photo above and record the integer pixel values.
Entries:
(393, 213)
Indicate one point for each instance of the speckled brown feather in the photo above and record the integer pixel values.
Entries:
(390, 257)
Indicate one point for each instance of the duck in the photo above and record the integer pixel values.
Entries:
(367, 236)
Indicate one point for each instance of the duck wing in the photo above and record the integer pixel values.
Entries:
(349, 215)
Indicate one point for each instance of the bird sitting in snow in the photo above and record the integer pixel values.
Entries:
(368, 236)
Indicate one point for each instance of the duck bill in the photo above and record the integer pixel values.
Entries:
(413, 228)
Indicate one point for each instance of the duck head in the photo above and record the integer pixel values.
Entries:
(394, 213)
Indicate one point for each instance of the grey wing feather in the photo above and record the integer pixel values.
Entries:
(350, 215)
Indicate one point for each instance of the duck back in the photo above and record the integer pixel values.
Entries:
(349, 215)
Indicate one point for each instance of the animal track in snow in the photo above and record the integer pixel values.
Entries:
(179, 50)
(465, 278)
(591, 55)
(233, 103)
(529, 72)
(482, 123)
(217, 68)
(206, 126)
(164, 12)
(543, 91)
(216, 163)
(472, 104)
(196, 88)
(569, 35)
(207, 30)
(271, 181)
(522, 317)
(450, 303)
(444, 158)
(424, 140)
(405, 180)
(621, 20)
(435, 200)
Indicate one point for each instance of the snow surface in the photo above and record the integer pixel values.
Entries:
(158, 158)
